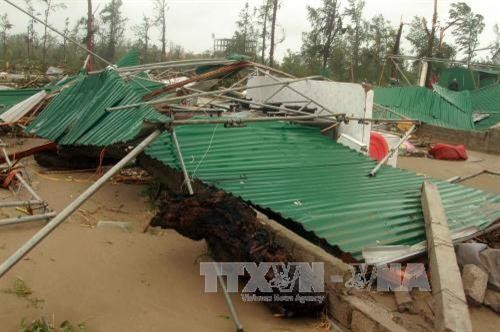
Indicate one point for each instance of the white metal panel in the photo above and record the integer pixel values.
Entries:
(22, 108)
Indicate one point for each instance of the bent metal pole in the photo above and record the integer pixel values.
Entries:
(68, 210)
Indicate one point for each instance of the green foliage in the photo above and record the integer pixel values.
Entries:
(41, 325)
(245, 37)
(467, 27)
(21, 290)
(326, 29)
(113, 27)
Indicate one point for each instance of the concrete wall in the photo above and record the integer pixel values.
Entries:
(484, 141)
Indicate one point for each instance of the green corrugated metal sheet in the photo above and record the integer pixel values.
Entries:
(487, 100)
(465, 78)
(9, 98)
(460, 99)
(129, 59)
(420, 103)
(78, 116)
(304, 176)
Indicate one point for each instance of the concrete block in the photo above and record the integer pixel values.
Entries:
(475, 281)
(361, 323)
(492, 300)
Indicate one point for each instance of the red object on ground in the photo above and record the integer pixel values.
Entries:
(378, 146)
(448, 152)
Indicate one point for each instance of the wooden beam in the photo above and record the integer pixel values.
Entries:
(452, 312)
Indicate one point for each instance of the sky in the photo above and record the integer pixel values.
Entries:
(193, 23)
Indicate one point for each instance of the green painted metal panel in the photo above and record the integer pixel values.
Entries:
(465, 78)
(487, 100)
(460, 99)
(304, 176)
(420, 103)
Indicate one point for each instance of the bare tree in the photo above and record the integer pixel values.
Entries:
(30, 29)
(66, 32)
(161, 8)
(89, 39)
(111, 16)
(273, 32)
(5, 25)
(141, 31)
(264, 18)
(50, 7)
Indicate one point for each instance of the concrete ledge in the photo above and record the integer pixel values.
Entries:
(352, 312)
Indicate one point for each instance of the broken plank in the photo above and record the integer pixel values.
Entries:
(452, 312)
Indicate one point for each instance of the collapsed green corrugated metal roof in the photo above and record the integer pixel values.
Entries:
(324, 186)
(9, 98)
(420, 103)
(129, 59)
(487, 100)
(78, 116)
(484, 100)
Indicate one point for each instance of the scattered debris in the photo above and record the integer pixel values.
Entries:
(21, 290)
(475, 281)
(404, 301)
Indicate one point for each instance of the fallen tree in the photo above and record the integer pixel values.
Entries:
(233, 234)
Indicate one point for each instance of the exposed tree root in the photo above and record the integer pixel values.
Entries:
(232, 233)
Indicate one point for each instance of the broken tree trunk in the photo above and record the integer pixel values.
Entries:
(452, 312)
(233, 233)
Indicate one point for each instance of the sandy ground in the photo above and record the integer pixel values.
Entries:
(443, 169)
(116, 279)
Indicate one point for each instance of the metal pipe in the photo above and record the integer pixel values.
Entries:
(232, 310)
(166, 66)
(392, 150)
(300, 93)
(414, 58)
(247, 120)
(60, 34)
(181, 161)
(18, 220)
(391, 111)
(354, 118)
(278, 108)
(20, 203)
(68, 210)
(206, 93)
